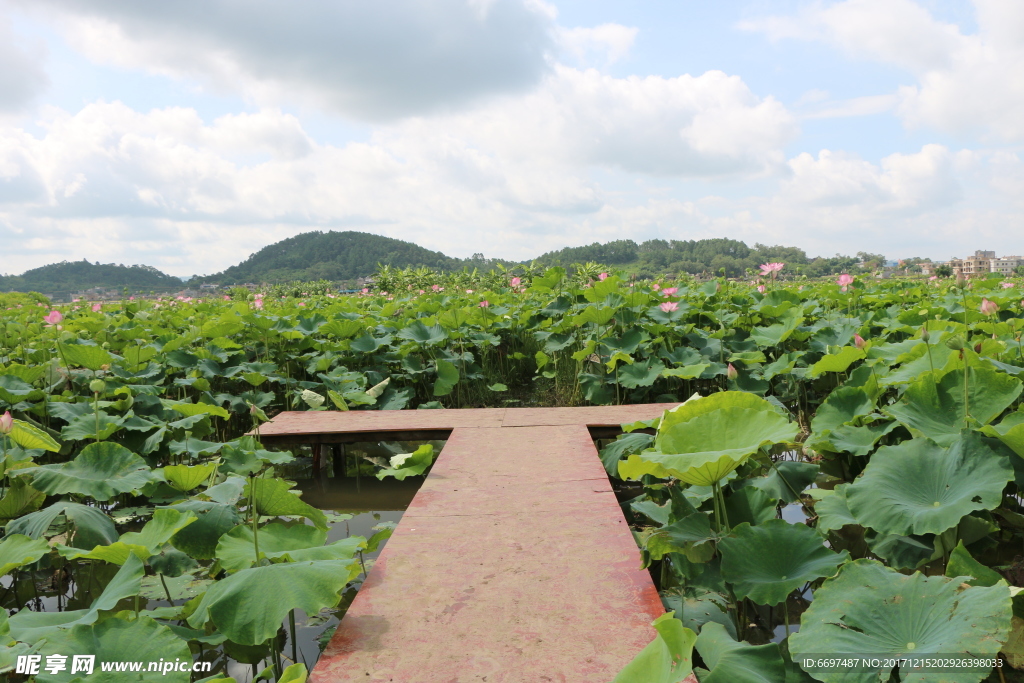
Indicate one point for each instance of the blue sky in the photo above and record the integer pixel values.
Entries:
(188, 135)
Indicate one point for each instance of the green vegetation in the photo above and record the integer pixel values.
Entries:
(850, 440)
(60, 280)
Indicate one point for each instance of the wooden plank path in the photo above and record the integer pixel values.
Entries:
(513, 564)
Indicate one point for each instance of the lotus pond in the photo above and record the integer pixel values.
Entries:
(845, 480)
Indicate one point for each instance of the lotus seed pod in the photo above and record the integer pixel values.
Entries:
(97, 386)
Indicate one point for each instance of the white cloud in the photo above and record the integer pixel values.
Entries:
(366, 59)
(965, 83)
(610, 42)
(21, 75)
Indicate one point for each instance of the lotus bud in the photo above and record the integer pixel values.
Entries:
(988, 307)
(858, 341)
(312, 399)
(925, 335)
(97, 386)
(955, 343)
(731, 372)
(6, 423)
(977, 347)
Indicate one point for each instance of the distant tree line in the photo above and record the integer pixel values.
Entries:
(711, 256)
(60, 280)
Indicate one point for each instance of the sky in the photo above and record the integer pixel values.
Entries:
(187, 135)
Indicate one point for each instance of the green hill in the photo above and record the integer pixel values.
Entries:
(331, 256)
(61, 279)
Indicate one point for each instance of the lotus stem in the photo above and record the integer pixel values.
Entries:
(166, 590)
(291, 625)
(785, 612)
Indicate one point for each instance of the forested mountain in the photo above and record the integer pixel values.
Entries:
(654, 257)
(71, 276)
(330, 256)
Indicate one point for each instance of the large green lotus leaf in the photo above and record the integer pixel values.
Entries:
(27, 435)
(636, 466)
(193, 409)
(695, 611)
(842, 405)
(92, 357)
(626, 443)
(28, 626)
(750, 505)
(769, 561)
(102, 470)
(786, 480)
(666, 659)
(145, 543)
(236, 550)
(685, 536)
(730, 661)
(421, 334)
(85, 428)
(851, 438)
(961, 563)
(707, 447)
(188, 477)
(92, 526)
(199, 539)
(272, 498)
(1010, 431)
(118, 640)
(17, 550)
(833, 511)
(19, 499)
(640, 374)
(447, 378)
(709, 404)
(409, 464)
(871, 609)
(933, 404)
(919, 487)
(839, 362)
(248, 607)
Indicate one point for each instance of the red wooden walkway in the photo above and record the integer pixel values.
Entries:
(513, 564)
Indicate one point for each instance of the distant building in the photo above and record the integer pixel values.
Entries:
(979, 265)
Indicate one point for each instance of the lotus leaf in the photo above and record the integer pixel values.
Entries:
(839, 362)
(185, 477)
(27, 435)
(626, 443)
(786, 480)
(730, 661)
(194, 409)
(696, 611)
(933, 405)
(101, 471)
(92, 357)
(447, 378)
(870, 609)
(117, 640)
(20, 499)
(698, 405)
(750, 505)
(145, 543)
(706, 448)
(199, 539)
(833, 511)
(768, 562)
(842, 406)
(92, 526)
(236, 550)
(667, 659)
(28, 626)
(273, 498)
(962, 564)
(409, 464)
(919, 487)
(248, 607)
(17, 550)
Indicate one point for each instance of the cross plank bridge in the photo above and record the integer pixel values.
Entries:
(512, 564)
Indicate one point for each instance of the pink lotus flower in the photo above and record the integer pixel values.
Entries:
(435, 288)
(131, 298)
(227, 298)
(760, 288)
(1007, 285)
(767, 268)
(96, 308)
(655, 286)
(485, 303)
(422, 292)
(258, 304)
(669, 306)
(731, 372)
(988, 307)
(669, 291)
(602, 276)
(844, 281)
(54, 317)
(469, 291)
(302, 303)
(6, 423)
(934, 277)
(515, 282)
(858, 341)
(365, 290)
